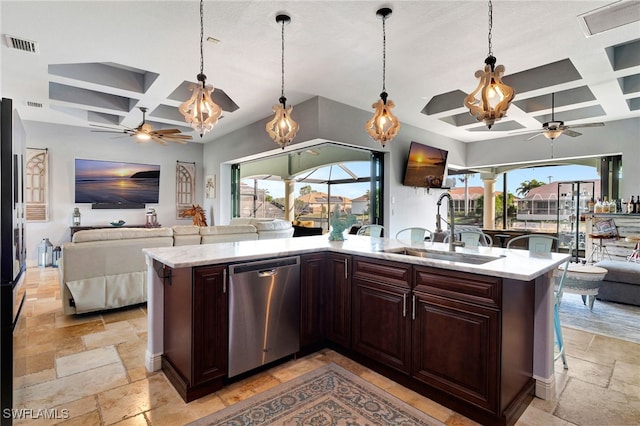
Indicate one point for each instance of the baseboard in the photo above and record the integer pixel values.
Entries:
(546, 387)
(153, 362)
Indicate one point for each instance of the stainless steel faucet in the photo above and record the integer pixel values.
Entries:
(452, 244)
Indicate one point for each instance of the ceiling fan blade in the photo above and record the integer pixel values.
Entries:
(571, 133)
(183, 137)
(166, 131)
(586, 125)
(158, 140)
(534, 136)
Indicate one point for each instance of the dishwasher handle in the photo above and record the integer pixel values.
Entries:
(267, 273)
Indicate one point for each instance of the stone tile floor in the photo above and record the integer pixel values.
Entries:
(90, 370)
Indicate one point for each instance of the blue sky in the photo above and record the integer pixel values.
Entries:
(514, 179)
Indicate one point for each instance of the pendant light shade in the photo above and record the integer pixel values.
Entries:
(383, 126)
(491, 99)
(199, 110)
(282, 128)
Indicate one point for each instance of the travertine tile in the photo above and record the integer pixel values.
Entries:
(86, 360)
(122, 402)
(123, 315)
(293, 369)
(420, 402)
(535, 417)
(70, 388)
(175, 414)
(35, 378)
(113, 334)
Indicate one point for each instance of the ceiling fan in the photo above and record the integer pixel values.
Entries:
(144, 132)
(552, 129)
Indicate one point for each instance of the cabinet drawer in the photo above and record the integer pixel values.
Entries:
(458, 285)
(382, 271)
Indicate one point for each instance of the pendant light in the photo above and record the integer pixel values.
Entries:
(200, 111)
(282, 128)
(383, 126)
(491, 99)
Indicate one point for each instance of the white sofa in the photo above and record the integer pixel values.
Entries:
(105, 268)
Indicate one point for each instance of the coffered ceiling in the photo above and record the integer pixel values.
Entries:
(95, 62)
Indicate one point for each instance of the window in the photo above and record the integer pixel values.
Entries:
(185, 186)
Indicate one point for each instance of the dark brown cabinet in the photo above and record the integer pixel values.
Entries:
(312, 268)
(196, 327)
(381, 316)
(337, 304)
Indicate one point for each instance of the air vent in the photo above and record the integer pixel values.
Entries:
(609, 17)
(22, 44)
(34, 104)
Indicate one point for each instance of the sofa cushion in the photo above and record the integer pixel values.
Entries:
(186, 230)
(618, 271)
(272, 225)
(120, 234)
(227, 229)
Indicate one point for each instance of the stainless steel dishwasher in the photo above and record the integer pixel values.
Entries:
(264, 312)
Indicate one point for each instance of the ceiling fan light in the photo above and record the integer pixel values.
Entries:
(142, 136)
(282, 128)
(199, 111)
(383, 126)
(552, 134)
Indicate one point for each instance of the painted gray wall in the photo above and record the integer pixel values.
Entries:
(66, 143)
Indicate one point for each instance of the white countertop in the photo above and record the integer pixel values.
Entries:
(513, 263)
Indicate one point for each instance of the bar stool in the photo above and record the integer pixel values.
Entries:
(635, 253)
(599, 250)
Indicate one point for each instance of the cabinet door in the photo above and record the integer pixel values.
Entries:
(337, 303)
(455, 348)
(210, 320)
(382, 323)
(311, 278)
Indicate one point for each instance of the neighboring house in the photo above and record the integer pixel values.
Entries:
(541, 203)
(360, 205)
(253, 203)
(318, 202)
(475, 194)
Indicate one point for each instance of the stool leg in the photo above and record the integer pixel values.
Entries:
(584, 299)
(591, 300)
(559, 338)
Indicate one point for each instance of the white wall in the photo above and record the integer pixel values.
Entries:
(66, 143)
(321, 120)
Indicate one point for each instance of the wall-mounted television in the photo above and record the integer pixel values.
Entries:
(116, 184)
(426, 166)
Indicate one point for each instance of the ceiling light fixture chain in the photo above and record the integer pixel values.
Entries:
(383, 126)
(491, 98)
(199, 110)
(282, 128)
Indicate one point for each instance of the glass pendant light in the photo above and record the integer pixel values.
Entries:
(491, 99)
(199, 110)
(383, 126)
(282, 128)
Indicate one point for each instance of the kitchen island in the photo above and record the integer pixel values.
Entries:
(498, 301)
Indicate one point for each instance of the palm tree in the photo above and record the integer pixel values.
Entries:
(527, 186)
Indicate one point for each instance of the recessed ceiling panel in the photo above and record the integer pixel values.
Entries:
(562, 98)
(630, 84)
(575, 114)
(624, 55)
(182, 93)
(64, 93)
(458, 120)
(543, 76)
(444, 102)
(103, 118)
(634, 104)
(109, 75)
(499, 126)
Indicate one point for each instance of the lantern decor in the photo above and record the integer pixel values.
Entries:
(199, 110)
(383, 126)
(491, 99)
(282, 128)
(45, 253)
(56, 254)
(76, 216)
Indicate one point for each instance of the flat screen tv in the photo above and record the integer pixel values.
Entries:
(426, 166)
(116, 183)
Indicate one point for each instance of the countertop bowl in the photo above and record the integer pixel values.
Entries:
(118, 223)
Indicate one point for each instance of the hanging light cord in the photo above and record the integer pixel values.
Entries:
(490, 27)
(282, 99)
(384, 53)
(201, 39)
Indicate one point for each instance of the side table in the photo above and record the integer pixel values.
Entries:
(582, 279)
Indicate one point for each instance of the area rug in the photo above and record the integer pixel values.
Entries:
(607, 318)
(329, 395)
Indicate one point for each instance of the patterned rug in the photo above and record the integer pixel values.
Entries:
(329, 395)
(607, 318)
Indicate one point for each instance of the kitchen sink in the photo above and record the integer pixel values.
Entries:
(472, 258)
